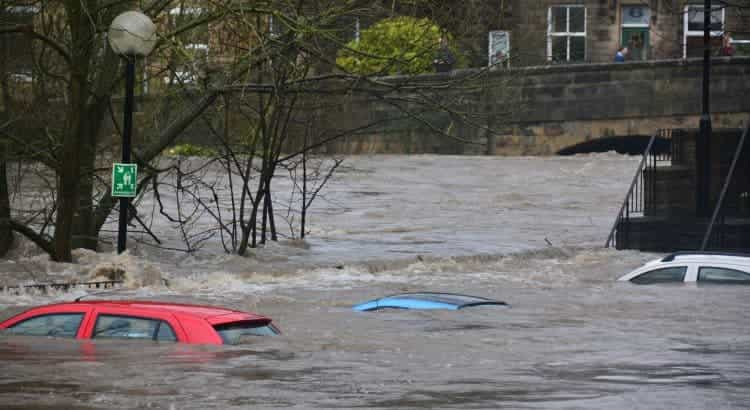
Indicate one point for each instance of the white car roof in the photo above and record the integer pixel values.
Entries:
(720, 258)
(715, 257)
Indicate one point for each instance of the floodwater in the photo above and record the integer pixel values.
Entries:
(528, 231)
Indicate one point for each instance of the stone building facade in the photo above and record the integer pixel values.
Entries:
(541, 31)
(591, 31)
(588, 31)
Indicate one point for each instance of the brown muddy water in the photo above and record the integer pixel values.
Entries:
(572, 337)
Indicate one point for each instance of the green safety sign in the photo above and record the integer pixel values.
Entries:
(124, 177)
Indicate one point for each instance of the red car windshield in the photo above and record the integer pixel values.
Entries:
(233, 333)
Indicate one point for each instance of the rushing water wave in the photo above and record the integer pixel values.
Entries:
(527, 231)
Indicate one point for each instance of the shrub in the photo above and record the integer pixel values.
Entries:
(190, 150)
(398, 45)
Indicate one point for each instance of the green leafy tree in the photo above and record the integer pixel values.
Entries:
(398, 45)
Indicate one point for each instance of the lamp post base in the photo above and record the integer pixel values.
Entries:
(703, 168)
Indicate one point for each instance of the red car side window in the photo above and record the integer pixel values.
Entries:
(52, 324)
(130, 327)
(165, 333)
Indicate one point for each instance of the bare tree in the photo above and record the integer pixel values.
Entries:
(275, 69)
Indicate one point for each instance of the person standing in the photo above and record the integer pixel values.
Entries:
(620, 55)
(727, 49)
(444, 58)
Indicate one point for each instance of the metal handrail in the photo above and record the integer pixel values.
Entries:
(727, 182)
(631, 190)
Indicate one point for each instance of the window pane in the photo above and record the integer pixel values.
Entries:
(124, 327)
(639, 15)
(189, 64)
(577, 20)
(710, 274)
(742, 48)
(184, 18)
(191, 67)
(59, 325)
(165, 333)
(16, 47)
(232, 333)
(717, 23)
(695, 19)
(664, 275)
(577, 48)
(559, 48)
(559, 19)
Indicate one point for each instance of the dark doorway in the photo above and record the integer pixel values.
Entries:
(630, 144)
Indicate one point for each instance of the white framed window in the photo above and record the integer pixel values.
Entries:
(742, 48)
(275, 26)
(743, 44)
(635, 31)
(636, 16)
(693, 23)
(179, 11)
(357, 30)
(196, 38)
(16, 48)
(191, 70)
(566, 33)
(26, 77)
(195, 45)
(22, 9)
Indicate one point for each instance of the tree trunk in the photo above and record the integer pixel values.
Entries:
(304, 187)
(67, 191)
(84, 223)
(69, 175)
(271, 220)
(6, 235)
(85, 228)
(264, 222)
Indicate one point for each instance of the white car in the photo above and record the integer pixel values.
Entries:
(701, 267)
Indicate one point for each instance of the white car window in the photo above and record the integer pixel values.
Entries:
(662, 275)
(722, 275)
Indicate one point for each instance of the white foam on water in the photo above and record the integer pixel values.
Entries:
(218, 283)
(394, 220)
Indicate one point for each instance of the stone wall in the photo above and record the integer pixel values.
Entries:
(540, 110)
(531, 111)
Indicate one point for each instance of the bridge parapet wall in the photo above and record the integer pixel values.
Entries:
(540, 110)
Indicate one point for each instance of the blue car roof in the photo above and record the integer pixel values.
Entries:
(426, 300)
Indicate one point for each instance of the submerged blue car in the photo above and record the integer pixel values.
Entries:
(426, 300)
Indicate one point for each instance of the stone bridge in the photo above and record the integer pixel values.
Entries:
(543, 110)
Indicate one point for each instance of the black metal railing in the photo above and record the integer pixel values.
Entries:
(46, 287)
(641, 196)
(717, 227)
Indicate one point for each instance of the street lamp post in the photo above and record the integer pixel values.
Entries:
(132, 34)
(703, 143)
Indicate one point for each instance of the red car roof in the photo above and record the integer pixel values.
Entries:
(199, 311)
(191, 323)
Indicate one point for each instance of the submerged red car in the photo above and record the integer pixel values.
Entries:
(158, 321)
